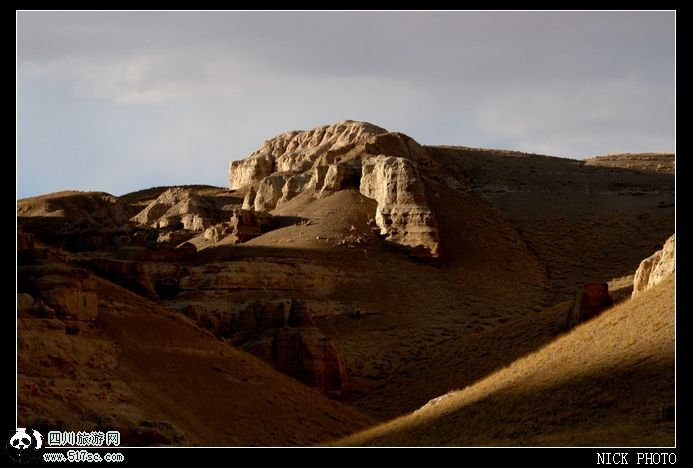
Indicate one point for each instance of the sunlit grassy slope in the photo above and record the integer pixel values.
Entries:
(608, 382)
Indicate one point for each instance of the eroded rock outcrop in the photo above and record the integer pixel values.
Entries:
(296, 151)
(402, 212)
(309, 356)
(247, 224)
(49, 287)
(283, 333)
(70, 292)
(656, 268)
(178, 208)
(269, 192)
(152, 279)
(383, 166)
(295, 185)
(250, 171)
(249, 199)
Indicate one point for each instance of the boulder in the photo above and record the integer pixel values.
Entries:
(25, 303)
(193, 222)
(217, 232)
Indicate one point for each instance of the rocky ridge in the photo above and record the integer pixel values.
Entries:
(383, 166)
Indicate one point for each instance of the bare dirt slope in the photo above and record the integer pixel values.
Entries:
(609, 382)
(160, 380)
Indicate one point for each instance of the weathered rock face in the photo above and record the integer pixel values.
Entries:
(269, 192)
(70, 292)
(297, 151)
(656, 268)
(246, 224)
(294, 185)
(310, 357)
(283, 333)
(333, 178)
(177, 208)
(249, 199)
(402, 212)
(249, 171)
(384, 166)
(50, 288)
(151, 279)
(243, 226)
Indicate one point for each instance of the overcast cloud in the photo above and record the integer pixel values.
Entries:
(123, 101)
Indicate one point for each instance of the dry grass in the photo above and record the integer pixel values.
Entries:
(603, 384)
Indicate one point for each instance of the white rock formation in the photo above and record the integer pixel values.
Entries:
(297, 151)
(250, 171)
(249, 199)
(402, 214)
(656, 268)
(295, 185)
(333, 178)
(176, 207)
(384, 166)
(269, 192)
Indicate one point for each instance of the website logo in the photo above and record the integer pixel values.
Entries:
(22, 445)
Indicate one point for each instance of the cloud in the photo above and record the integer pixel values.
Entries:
(142, 78)
(579, 120)
(113, 99)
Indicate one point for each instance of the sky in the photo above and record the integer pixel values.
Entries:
(121, 101)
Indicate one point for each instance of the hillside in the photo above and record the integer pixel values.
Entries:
(155, 376)
(347, 270)
(609, 382)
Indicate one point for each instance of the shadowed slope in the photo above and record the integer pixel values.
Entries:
(584, 222)
(609, 382)
(153, 375)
